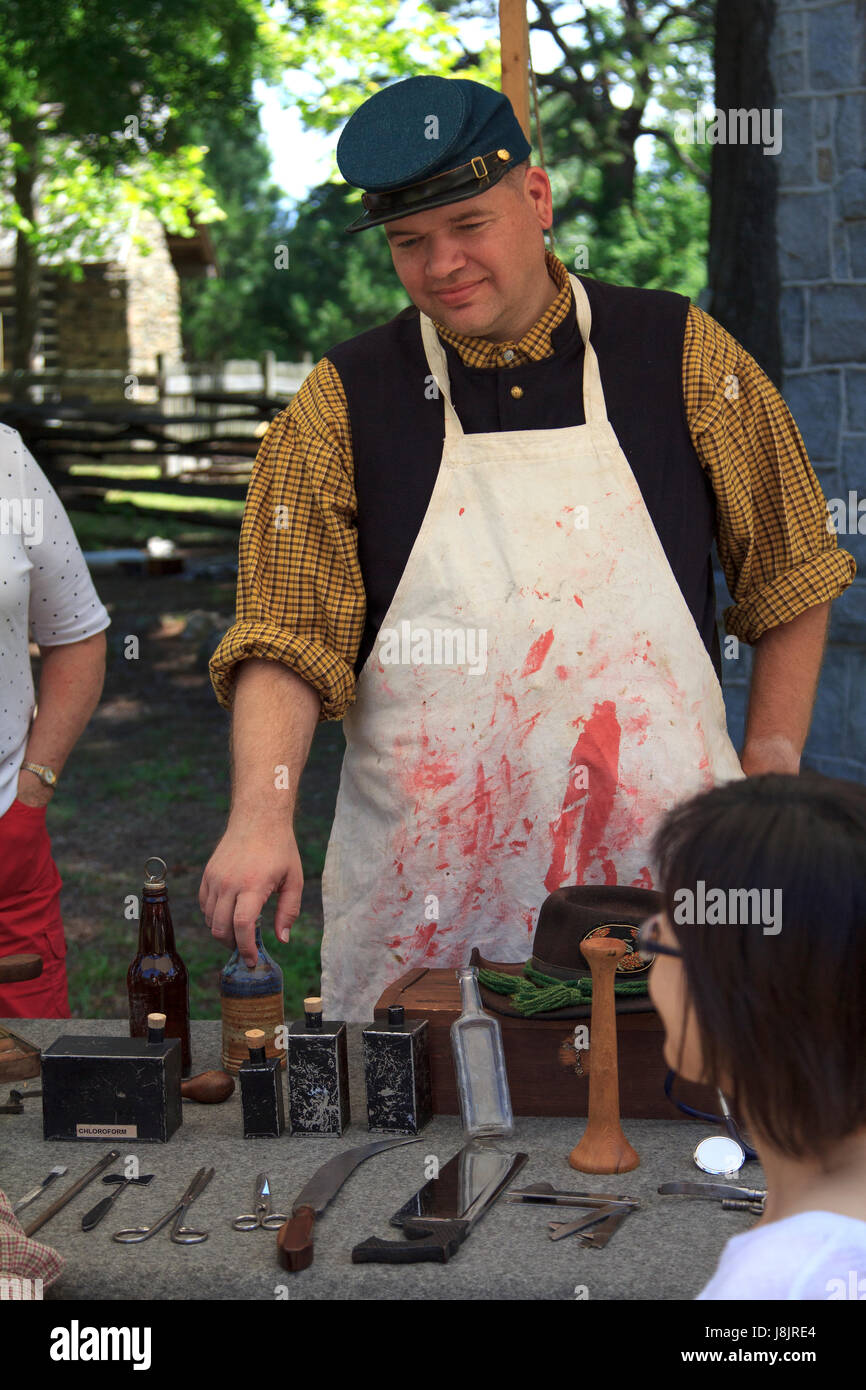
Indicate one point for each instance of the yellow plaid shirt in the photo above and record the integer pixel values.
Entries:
(300, 595)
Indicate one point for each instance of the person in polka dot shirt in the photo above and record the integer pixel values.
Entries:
(47, 596)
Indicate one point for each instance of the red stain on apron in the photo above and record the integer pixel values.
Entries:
(419, 940)
(537, 652)
(477, 818)
(597, 750)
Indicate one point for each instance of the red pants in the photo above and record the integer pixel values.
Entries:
(30, 914)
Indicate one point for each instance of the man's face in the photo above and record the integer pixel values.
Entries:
(489, 248)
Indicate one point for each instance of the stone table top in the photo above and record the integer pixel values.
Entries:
(666, 1250)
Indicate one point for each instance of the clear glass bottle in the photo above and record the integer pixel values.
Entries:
(251, 997)
(479, 1060)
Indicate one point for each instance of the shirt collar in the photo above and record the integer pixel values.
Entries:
(535, 344)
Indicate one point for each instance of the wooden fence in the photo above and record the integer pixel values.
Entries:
(201, 423)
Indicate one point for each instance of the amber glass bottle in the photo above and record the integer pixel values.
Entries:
(157, 979)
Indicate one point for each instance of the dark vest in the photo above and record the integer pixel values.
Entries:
(398, 431)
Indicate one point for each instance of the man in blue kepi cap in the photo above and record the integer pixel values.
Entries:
(481, 536)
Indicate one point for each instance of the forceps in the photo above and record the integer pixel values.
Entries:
(263, 1218)
(181, 1235)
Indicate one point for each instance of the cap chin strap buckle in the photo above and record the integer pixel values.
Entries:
(479, 159)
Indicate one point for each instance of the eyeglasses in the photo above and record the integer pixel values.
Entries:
(649, 944)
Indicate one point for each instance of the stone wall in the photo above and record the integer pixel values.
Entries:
(121, 314)
(153, 296)
(819, 64)
(90, 326)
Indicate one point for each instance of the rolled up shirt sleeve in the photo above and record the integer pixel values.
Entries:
(777, 552)
(300, 594)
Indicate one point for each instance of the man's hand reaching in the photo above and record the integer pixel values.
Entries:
(274, 715)
(253, 860)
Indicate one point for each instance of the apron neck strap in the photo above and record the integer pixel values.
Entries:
(594, 410)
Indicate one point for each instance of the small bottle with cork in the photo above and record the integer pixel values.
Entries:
(261, 1090)
(156, 1029)
(318, 1073)
(397, 1073)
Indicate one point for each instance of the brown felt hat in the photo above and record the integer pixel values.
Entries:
(566, 918)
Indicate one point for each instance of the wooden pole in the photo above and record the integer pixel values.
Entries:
(514, 56)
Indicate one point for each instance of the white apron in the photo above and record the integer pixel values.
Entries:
(476, 781)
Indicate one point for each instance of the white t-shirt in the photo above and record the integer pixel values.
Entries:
(46, 594)
(813, 1255)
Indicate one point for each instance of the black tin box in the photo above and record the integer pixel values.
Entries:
(262, 1098)
(111, 1088)
(397, 1074)
(318, 1078)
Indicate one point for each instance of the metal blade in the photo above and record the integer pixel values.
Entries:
(598, 1237)
(715, 1190)
(560, 1229)
(327, 1180)
(37, 1191)
(509, 1167)
(544, 1195)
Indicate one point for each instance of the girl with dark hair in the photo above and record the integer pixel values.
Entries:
(760, 981)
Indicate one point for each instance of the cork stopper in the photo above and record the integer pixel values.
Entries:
(313, 1011)
(255, 1040)
(156, 1028)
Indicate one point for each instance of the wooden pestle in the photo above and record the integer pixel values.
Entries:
(603, 1147)
(208, 1088)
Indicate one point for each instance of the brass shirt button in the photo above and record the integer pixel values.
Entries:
(517, 392)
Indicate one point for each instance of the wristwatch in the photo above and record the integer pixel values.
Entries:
(47, 776)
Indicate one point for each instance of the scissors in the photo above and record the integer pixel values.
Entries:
(263, 1218)
(181, 1235)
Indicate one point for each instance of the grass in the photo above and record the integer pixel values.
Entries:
(118, 470)
(173, 502)
(125, 526)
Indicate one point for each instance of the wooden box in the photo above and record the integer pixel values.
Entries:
(540, 1056)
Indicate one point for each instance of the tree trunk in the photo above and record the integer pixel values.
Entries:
(24, 132)
(743, 265)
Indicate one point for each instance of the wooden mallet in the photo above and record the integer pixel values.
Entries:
(603, 1148)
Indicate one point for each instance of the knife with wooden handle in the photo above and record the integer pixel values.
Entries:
(295, 1237)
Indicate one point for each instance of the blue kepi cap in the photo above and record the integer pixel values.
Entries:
(427, 141)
